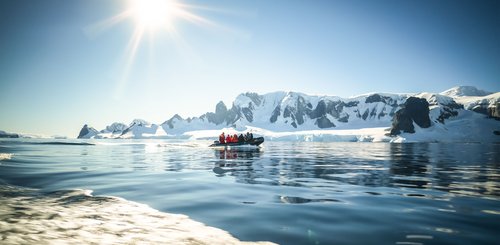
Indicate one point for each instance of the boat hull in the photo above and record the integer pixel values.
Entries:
(254, 142)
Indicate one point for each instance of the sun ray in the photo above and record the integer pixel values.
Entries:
(101, 26)
(149, 18)
(130, 53)
(195, 18)
(188, 7)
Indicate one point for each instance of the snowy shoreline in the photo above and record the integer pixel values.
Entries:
(434, 134)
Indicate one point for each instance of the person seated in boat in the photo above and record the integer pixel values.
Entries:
(222, 138)
(235, 138)
(241, 139)
(228, 139)
(248, 138)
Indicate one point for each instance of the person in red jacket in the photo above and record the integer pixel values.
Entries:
(228, 138)
(222, 138)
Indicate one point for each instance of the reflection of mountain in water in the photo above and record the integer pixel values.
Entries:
(460, 169)
(456, 168)
(410, 164)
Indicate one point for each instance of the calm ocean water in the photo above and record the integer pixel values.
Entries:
(286, 192)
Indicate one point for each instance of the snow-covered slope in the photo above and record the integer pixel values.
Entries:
(488, 105)
(142, 129)
(290, 113)
(464, 91)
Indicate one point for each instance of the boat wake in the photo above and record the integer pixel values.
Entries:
(28, 216)
(5, 156)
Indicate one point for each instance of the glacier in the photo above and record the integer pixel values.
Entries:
(460, 114)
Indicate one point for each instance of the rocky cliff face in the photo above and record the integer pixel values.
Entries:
(488, 105)
(494, 111)
(87, 132)
(415, 110)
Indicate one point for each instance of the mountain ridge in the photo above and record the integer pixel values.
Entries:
(295, 111)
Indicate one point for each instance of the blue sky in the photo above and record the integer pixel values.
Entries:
(60, 68)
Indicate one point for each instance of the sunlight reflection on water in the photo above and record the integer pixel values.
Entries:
(287, 192)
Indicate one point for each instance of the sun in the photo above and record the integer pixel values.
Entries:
(151, 17)
(153, 14)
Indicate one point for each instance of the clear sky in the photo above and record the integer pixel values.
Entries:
(67, 63)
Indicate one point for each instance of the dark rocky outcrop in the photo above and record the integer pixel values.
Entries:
(324, 122)
(374, 98)
(402, 122)
(247, 112)
(297, 112)
(319, 111)
(87, 132)
(220, 114)
(446, 113)
(480, 109)
(344, 119)
(365, 114)
(414, 110)
(256, 99)
(334, 108)
(232, 115)
(448, 110)
(84, 131)
(223, 115)
(4, 134)
(352, 104)
(276, 114)
(494, 111)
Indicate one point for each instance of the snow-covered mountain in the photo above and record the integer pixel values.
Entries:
(294, 112)
(87, 132)
(460, 91)
(142, 129)
(291, 111)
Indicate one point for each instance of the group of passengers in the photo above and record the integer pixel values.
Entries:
(223, 139)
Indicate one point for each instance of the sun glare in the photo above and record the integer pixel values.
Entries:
(150, 17)
(153, 14)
